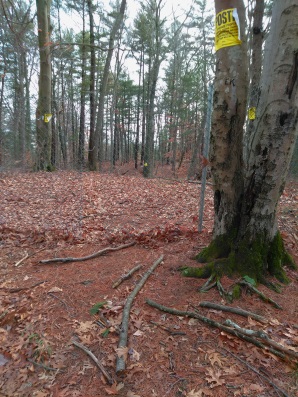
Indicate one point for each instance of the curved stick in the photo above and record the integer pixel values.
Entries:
(120, 363)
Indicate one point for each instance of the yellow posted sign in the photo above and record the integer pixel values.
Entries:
(47, 117)
(252, 113)
(227, 29)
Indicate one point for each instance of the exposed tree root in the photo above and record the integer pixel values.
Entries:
(210, 283)
(260, 294)
(278, 350)
(120, 363)
(229, 296)
(85, 258)
(251, 256)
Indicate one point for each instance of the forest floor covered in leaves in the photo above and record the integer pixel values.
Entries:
(44, 308)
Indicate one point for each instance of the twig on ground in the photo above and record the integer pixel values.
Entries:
(12, 290)
(235, 310)
(261, 295)
(97, 362)
(3, 314)
(60, 300)
(215, 324)
(170, 331)
(126, 276)
(22, 260)
(120, 363)
(175, 383)
(257, 372)
(44, 366)
(28, 256)
(85, 258)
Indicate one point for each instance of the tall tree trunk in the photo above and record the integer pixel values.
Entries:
(153, 77)
(275, 133)
(245, 228)
(229, 110)
(1, 121)
(255, 71)
(96, 139)
(43, 111)
(137, 140)
(92, 69)
(81, 149)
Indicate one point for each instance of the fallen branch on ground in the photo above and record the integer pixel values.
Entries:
(262, 335)
(120, 363)
(21, 260)
(28, 256)
(257, 372)
(235, 310)
(126, 276)
(169, 330)
(100, 366)
(11, 290)
(85, 258)
(220, 326)
(44, 366)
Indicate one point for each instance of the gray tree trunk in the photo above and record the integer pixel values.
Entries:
(43, 126)
(245, 228)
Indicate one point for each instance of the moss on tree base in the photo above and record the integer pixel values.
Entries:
(255, 258)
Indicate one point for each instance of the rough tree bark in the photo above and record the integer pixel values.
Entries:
(43, 111)
(246, 239)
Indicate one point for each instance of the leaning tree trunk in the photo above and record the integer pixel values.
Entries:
(43, 111)
(246, 240)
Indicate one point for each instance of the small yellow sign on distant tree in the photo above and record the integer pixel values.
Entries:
(227, 29)
(252, 113)
(47, 117)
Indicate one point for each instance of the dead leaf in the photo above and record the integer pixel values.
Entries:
(55, 289)
(255, 387)
(40, 393)
(214, 378)
(113, 390)
(215, 358)
(138, 333)
(131, 394)
(194, 393)
(134, 355)
(122, 352)
(193, 321)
